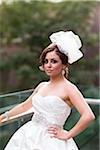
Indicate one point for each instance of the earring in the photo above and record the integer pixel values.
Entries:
(63, 71)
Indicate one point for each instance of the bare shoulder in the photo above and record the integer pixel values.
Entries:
(74, 95)
(69, 84)
(72, 88)
(40, 85)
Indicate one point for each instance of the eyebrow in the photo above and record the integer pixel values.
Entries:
(51, 58)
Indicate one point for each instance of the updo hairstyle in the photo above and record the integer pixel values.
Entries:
(63, 57)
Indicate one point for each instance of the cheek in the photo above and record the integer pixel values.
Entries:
(57, 67)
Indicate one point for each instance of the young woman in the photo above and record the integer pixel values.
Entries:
(52, 101)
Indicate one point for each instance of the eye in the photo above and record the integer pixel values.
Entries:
(45, 61)
(53, 61)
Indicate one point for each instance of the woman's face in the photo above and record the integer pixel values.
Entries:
(52, 64)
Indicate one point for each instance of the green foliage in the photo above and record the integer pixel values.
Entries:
(39, 19)
(23, 73)
(23, 58)
(92, 92)
(32, 22)
(4, 65)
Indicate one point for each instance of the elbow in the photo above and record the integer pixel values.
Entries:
(90, 117)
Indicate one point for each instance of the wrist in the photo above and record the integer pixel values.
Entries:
(68, 136)
(5, 115)
(65, 135)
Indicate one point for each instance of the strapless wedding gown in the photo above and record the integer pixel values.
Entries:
(48, 110)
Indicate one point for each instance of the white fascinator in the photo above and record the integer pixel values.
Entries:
(68, 43)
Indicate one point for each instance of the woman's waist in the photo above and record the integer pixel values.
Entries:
(43, 120)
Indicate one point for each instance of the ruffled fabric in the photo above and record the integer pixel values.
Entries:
(69, 44)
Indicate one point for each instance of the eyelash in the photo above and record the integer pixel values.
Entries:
(52, 61)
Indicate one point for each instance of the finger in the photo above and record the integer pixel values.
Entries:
(53, 136)
(52, 132)
(52, 129)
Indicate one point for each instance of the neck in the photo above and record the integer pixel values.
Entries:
(56, 79)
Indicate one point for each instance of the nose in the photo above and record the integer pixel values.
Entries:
(49, 64)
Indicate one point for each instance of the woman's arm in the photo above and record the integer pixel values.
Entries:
(20, 108)
(83, 108)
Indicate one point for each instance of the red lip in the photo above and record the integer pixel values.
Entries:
(49, 70)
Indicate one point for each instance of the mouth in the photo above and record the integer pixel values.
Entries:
(48, 71)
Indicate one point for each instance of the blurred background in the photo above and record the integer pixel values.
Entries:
(25, 26)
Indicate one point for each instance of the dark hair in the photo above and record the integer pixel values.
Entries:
(50, 48)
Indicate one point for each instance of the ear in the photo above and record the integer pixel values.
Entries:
(41, 68)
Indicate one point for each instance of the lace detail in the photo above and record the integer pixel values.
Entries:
(39, 119)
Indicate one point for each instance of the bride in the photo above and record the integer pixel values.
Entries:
(52, 101)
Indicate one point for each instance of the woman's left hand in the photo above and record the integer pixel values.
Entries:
(57, 132)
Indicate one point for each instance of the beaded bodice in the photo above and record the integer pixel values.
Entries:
(50, 110)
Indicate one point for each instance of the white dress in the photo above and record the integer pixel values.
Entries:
(48, 110)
